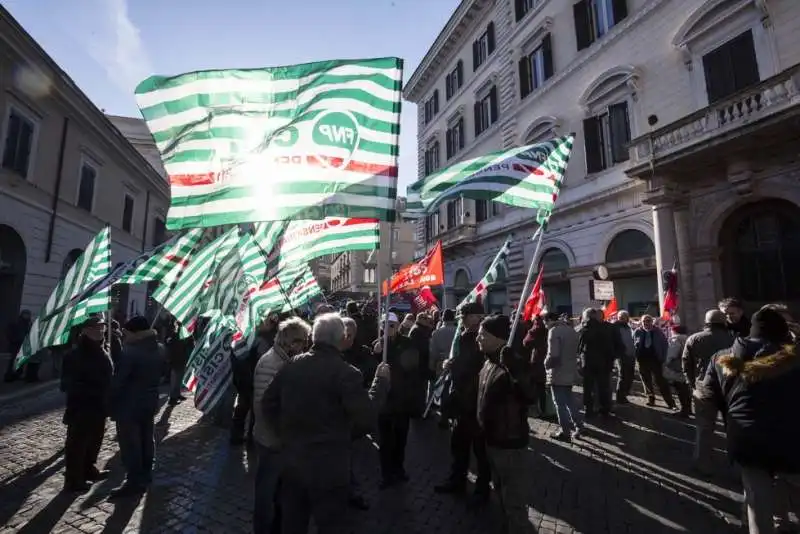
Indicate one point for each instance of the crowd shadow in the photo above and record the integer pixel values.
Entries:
(16, 489)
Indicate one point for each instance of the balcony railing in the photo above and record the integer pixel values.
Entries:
(769, 98)
(462, 233)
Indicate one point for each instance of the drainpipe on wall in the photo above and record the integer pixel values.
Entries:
(146, 219)
(57, 193)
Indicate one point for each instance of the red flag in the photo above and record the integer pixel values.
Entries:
(610, 308)
(535, 302)
(426, 272)
(424, 300)
(670, 294)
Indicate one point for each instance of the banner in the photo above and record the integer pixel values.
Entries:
(424, 300)
(426, 272)
(208, 373)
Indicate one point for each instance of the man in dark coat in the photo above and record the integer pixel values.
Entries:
(317, 403)
(134, 398)
(504, 391)
(462, 405)
(86, 379)
(535, 343)
(597, 346)
(178, 352)
(406, 398)
(738, 323)
(243, 371)
(757, 385)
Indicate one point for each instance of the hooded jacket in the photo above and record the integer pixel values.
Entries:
(759, 384)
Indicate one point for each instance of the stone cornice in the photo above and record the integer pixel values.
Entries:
(79, 103)
(461, 18)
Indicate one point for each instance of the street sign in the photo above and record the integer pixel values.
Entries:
(601, 289)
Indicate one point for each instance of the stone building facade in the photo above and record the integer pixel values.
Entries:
(65, 172)
(615, 72)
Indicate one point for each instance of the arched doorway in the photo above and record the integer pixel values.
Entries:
(13, 260)
(630, 258)
(460, 288)
(760, 245)
(556, 285)
(497, 293)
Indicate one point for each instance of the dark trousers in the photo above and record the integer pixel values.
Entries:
(84, 439)
(266, 512)
(243, 407)
(137, 447)
(300, 502)
(392, 438)
(466, 437)
(627, 369)
(540, 396)
(684, 396)
(651, 372)
(598, 379)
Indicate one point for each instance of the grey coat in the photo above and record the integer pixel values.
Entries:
(561, 363)
(441, 340)
(267, 368)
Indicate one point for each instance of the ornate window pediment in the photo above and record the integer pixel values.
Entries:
(620, 79)
(541, 129)
(706, 19)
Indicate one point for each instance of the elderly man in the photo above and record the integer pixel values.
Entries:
(290, 340)
(626, 360)
(697, 354)
(317, 403)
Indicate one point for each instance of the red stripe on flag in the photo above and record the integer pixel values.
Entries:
(208, 178)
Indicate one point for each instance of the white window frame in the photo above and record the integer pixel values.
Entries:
(695, 43)
(127, 195)
(36, 122)
(483, 46)
(87, 162)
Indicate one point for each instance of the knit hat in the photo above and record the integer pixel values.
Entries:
(449, 315)
(497, 325)
(769, 325)
(137, 324)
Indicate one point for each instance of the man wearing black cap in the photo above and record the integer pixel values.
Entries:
(757, 383)
(462, 405)
(86, 379)
(504, 389)
(135, 403)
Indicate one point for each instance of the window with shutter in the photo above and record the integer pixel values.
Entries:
(593, 145)
(475, 56)
(620, 10)
(86, 187)
(448, 88)
(547, 56)
(449, 144)
(18, 143)
(476, 109)
(127, 213)
(620, 129)
(459, 74)
(731, 68)
(481, 210)
(493, 114)
(461, 138)
(436, 102)
(519, 9)
(524, 77)
(490, 39)
(583, 29)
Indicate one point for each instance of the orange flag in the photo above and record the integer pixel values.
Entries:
(610, 308)
(535, 302)
(426, 272)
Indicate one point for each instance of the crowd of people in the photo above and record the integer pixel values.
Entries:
(309, 388)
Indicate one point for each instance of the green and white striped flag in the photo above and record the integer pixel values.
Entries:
(167, 261)
(182, 297)
(289, 244)
(299, 284)
(526, 177)
(93, 264)
(278, 143)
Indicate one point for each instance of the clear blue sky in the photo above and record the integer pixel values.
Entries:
(108, 46)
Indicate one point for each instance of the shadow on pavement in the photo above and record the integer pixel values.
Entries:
(49, 516)
(15, 490)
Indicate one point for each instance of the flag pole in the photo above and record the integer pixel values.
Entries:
(523, 297)
(388, 293)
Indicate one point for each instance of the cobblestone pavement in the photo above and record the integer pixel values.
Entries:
(630, 475)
